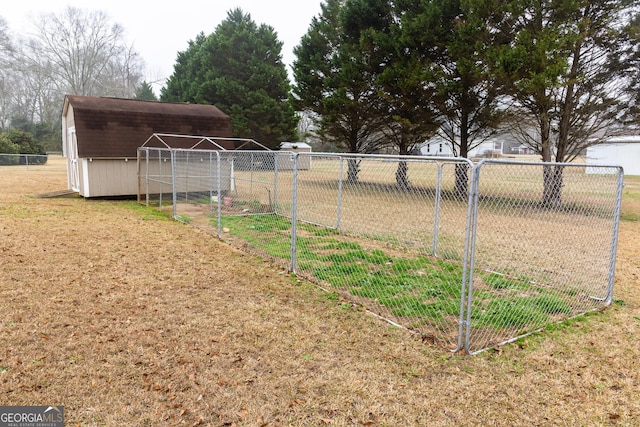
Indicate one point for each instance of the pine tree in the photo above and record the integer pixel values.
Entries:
(335, 82)
(145, 92)
(239, 69)
(559, 76)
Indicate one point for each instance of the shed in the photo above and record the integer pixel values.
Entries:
(101, 135)
(616, 151)
(436, 146)
(304, 162)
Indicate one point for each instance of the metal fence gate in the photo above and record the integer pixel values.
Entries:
(467, 255)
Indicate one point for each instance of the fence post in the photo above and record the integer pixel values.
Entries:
(218, 173)
(436, 210)
(146, 175)
(469, 258)
(339, 213)
(210, 183)
(294, 212)
(276, 157)
(186, 177)
(174, 183)
(251, 176)
(614, 240)
(161, 178)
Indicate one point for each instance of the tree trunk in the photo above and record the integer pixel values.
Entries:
(551, 175)
(462, 181)
(353, 170)
(402, 179)
(402, 176)
(462, 169)
(553, 182)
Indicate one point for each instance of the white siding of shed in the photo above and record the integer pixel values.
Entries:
(626, 155)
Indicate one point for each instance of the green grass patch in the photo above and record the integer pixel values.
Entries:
(266, 232)
(630, 217)
(147, 212)
(519, 312)
(503, 282)
(184, 218)
(409, 286)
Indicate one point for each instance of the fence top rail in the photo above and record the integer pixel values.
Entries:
(155, 149)
(199, 140)
(238, 142)
(395, 157)
(529, 163)
(187, 150)
(25, 155)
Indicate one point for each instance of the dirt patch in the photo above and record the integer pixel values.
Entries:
(127, 318)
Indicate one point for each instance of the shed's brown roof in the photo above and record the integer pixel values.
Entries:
(116, 127)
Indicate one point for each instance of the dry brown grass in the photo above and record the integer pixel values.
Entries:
(129, 319)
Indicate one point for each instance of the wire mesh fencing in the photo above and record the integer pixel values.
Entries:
(31, 162)
(370, 227)
(466, 255)
(543, 246)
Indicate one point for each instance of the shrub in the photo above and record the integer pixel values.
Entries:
(7, 150)
(17, 141)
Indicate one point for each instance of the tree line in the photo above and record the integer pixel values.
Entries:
(556, 75)
(78, 52)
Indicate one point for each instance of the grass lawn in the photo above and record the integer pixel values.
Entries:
(128, 318)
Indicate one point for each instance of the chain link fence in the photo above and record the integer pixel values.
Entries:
(543, 248)
(32, 162)
(468, 256)
(387, 233)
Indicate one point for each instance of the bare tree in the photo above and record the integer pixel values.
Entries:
(83, 53)
(6, 50)
(5, 40)
(80, 52)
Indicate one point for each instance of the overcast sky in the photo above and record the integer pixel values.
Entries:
(160, 30)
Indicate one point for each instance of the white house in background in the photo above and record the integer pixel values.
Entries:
(489, 148)
(616, 151)
(438, 146)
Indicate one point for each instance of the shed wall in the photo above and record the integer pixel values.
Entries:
(626, 155)
(108, 177)
(285, 162)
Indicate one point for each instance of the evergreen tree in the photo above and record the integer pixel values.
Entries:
(7, 146)
(405, 100)
(145, 92)
(239, 69)
(336, 83)
(186, 72)
(629, 60)
(558, 73)
(453, 42)
(17, 141)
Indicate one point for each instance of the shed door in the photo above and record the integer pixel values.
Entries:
(72, 153)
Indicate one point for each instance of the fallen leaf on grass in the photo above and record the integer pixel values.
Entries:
(296, 402)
